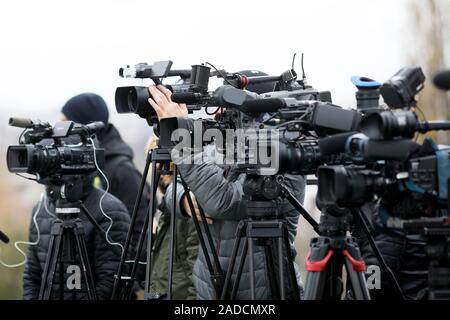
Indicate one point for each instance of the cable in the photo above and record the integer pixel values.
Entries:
(220, 73)
(101, 200)
(21, 135)
(48, 211)
(212, 113)
(25, 177)
(16, 244)
(101, 206)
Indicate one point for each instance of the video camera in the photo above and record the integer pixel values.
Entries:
(134, 99)
(387, 164)
(53, 152)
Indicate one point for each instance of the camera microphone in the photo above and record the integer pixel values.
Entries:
(21, 122)
(187, 97)
(92, 127)
(442, 80)
(263, 105)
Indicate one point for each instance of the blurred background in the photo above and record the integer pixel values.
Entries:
(52, 50)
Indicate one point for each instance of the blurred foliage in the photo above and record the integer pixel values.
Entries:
(431, 31)
(14, 223)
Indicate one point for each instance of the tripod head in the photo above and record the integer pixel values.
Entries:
(260, 196)
(67, 193)
(335, 221)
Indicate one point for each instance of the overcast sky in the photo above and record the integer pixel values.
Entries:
(51, 50)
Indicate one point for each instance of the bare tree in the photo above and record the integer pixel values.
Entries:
(430, 32)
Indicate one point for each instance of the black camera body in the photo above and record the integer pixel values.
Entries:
(423, 178)
(54, 152)
(134, 99)
(401, 89)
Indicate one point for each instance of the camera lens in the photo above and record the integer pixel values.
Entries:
(17, 158)
(332, 184)
(372, 126)
(387, 125)
(134, 100)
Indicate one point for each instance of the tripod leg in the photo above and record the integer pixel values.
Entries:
(386, 270)
(209, 238)
(275, 295)
(239, 271)
(251, 265)
(317, 268)
(355, 267)
(239, 232)
(86, 266)
(152, 209)
(51, 261)
(299, 207)
(64, 244)
(290, 266)
(117, 281)
(216, 274)
(173, 234)
(73, 257)
(281, 268)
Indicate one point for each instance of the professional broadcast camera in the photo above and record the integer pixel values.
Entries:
(51, 153)
(135, 99)
(386, 137)
(288, 122)
(407, 180)
(64, 159)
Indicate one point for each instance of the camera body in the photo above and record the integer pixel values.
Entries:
(425, 175)
(400, 91)
(134, 99)
(54, 152)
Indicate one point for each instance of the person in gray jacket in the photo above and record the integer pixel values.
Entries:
(219, 190)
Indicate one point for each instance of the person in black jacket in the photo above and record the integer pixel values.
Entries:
(104, 256)
(123, 177)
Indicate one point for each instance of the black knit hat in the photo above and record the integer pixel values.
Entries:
(86, 108)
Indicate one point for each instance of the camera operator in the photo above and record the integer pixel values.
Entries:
(219, 191)
(123, 177)
(102, 258)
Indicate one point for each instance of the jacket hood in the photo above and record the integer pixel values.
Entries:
(111, 140)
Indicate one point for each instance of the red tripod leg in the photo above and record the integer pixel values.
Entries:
(356, 267)
(317, 263)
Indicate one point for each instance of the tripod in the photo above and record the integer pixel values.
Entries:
(266, 228)
(271, 234)
(67, 240)
(329, 253)
(160, 160)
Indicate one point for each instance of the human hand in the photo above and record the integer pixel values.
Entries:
(187, 208)
(163, 105)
